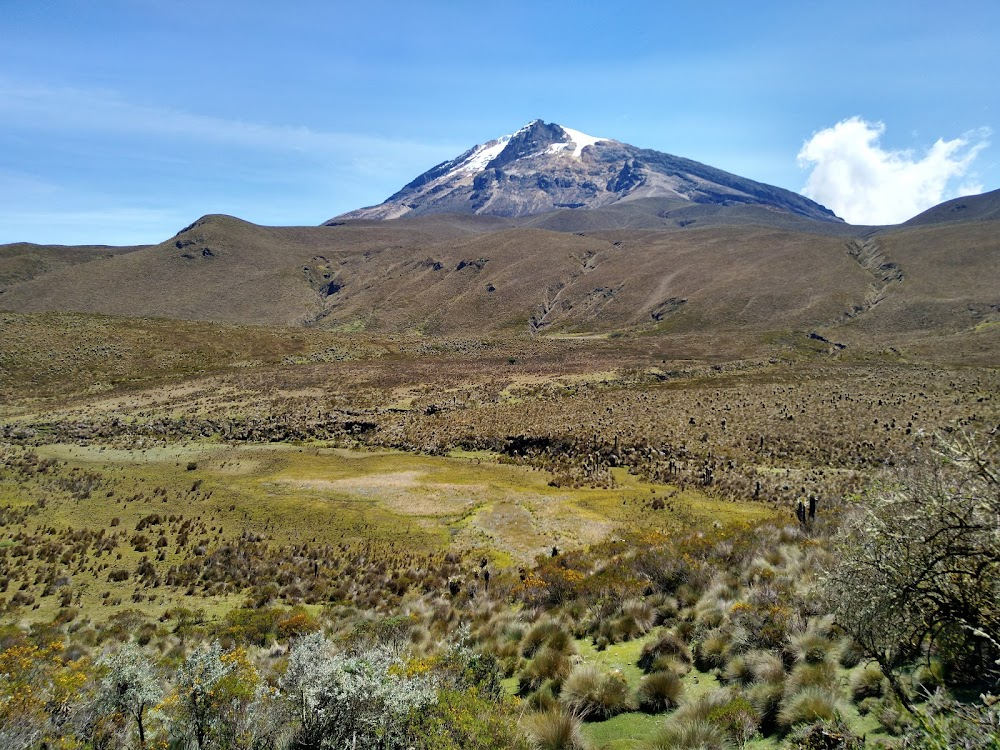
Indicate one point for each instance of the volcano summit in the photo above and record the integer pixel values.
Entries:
(545, 167)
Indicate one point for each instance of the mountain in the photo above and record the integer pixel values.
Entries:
(545, 167)
(549, 232)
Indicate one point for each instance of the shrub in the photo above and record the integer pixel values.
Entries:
(555, 730)
(345, 699)
(659, 691)
(825, 735)
(947, 724)
(464, 721)
(130, 687)
(892, 716)
(918, 563)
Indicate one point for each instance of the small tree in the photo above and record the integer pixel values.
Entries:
(199, 698)
(918, 563)
(129, 687)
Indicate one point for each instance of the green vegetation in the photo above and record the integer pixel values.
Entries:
(306, 539)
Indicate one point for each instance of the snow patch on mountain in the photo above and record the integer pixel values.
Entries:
(582, 140)
(484, 155)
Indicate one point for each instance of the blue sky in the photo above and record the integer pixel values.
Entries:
(121, 121)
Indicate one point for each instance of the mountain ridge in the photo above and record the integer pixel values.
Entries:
(544, 167)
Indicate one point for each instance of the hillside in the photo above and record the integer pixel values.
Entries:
(608, 271)
(985, 207)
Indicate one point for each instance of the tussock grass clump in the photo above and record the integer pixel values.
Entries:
(808, 705)
(642, 613)
(544, 699)
(633, 619)
(739, 670)
(713, 650)
(727, 709)
(691, 734)
(548, 664)
(868, 682)
(668, 646)
(665, 608)
(812, 647)
(710, 612)
(806, 675)
(850, 654)
(659, 692)
(555, 730)
(929, 677)
(765, 697)
(590, 694)
(766, 665)
(624, 628)
(546, 633)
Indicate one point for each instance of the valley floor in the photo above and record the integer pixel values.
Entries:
(187, 476)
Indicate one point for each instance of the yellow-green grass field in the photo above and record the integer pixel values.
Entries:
(313, 493)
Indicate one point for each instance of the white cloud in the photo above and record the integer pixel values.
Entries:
(865, 184)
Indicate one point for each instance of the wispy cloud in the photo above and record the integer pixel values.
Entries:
(96, 166)
(866, 184)
(73, 109)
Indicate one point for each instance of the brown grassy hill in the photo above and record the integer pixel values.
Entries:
(453, 274)
(220, 268)
(985, 207)
(23, 261)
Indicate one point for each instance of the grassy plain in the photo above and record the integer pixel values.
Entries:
(151, 466)
(470, 504)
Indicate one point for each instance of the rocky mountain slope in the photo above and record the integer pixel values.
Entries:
(545, 167)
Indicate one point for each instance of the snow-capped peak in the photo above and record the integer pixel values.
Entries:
(483, 154)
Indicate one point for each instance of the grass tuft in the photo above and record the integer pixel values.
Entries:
(659, 692)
